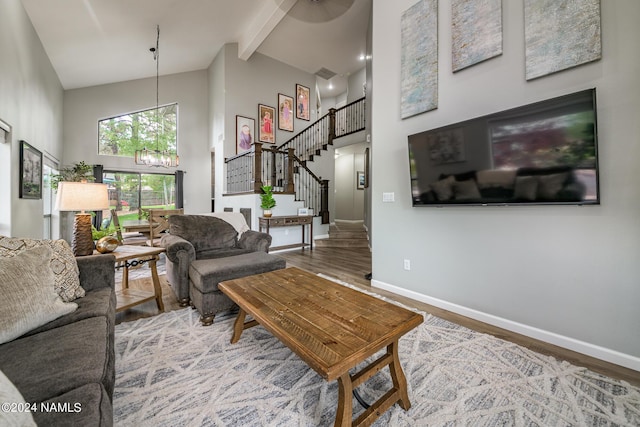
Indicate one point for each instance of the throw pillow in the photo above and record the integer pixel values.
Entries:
(63, 263)
(444, 188)
(28, 297)
(9, 394)
(466, 190)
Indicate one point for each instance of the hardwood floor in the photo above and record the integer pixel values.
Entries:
(351, 265)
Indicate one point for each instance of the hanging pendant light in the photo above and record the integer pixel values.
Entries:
(157, 157)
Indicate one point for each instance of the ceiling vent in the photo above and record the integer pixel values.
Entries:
(324, 73)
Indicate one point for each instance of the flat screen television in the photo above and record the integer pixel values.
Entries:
(542, 153)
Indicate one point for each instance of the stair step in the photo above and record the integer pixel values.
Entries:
(340, 234)
(341, 243)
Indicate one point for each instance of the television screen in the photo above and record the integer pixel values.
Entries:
(542, 153)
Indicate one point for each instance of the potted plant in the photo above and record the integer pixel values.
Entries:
(76, 173)
(268, 202)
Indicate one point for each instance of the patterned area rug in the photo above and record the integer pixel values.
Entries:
(171, 371)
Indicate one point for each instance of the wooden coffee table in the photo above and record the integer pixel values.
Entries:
(331, 327)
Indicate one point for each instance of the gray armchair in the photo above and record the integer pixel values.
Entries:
(196, 237)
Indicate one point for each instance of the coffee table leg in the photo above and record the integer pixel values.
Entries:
(397, 375)
(238, 326)
(344, 414)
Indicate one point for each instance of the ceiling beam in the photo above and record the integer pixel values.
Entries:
(269, 17)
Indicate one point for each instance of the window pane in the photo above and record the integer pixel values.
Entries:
(131, 194)
(153, 129)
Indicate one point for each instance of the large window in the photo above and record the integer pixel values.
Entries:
(132, 194)
(153, 129)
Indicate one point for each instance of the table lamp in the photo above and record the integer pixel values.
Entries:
(81, 196)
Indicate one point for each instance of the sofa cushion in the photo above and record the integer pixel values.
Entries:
(63, 263)
(29, 299)
(526, 188)
(221, 253)
(204, 232)
(100, 302)
(59, 360)
(10, 394)
(88, 405)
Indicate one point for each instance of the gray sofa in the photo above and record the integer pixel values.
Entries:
(198, 237)
(71, 360)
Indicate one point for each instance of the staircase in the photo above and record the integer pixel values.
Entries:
(286, 167)
(345, 234)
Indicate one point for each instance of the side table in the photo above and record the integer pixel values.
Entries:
(131, 256)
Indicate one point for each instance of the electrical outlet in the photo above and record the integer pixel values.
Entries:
(407, 264)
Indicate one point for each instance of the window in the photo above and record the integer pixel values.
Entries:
(131, 194)
(153, 129)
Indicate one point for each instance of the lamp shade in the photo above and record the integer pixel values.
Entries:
(81, 196)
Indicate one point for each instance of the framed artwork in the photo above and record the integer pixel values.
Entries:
(302, 102)
(285, 112)
(419, 59)
(245, 129)
(560, 35)
(30, 172)
(303, 211)
(360, 180)
(476, 32)
(266, 115)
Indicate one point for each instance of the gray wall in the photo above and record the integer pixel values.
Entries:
(349, 201)
(564, 274)
(84, 107)
(31, 102)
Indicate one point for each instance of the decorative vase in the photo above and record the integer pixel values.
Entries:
(267, 213)
(107, 244)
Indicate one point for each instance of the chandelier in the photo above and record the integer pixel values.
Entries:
(157, 157)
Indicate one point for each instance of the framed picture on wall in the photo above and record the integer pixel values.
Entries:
(266, 116)
(302, 102)
(30, 172)
(245, 129)
(285, 112)
(360, 180)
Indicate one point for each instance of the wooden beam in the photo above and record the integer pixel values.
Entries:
(269, 17)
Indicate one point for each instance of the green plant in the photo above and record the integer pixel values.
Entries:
(268, 202)
(78, 172)
(99, 234)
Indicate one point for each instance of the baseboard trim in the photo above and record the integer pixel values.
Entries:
(602, 353)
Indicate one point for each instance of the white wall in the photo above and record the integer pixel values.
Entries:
(565, 274)
(349, 201)
(31, 102)
(84, 107)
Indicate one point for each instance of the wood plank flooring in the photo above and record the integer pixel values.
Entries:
(350, 265)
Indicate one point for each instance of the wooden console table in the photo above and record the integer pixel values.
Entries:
(289, 221)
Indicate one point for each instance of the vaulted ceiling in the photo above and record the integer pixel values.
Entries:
(94, 42)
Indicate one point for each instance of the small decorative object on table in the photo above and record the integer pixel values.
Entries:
(268, 202)
(106, 244)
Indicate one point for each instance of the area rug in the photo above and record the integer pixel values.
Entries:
(171, 371)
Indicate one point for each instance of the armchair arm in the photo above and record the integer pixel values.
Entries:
(256, 241)
(97, 271)
(180, 253)
(178, 248)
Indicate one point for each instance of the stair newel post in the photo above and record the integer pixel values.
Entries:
(332, 125)
(257, 168)
(324, 201)
(290, 166)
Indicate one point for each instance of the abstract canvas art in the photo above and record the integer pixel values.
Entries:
(560, 34)
(419, 62)
(476, 31)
